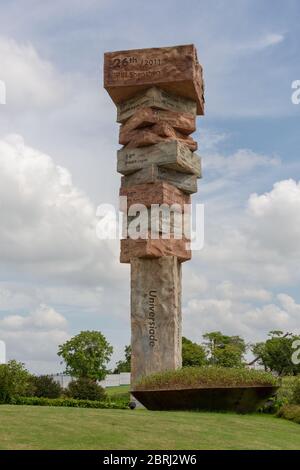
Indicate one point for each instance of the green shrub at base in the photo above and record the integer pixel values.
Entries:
(15, 380)
(287, 394)
(85, 389)
(45, 386)
(290, 412)
(69, 402)
(296, 392)
(205, 377)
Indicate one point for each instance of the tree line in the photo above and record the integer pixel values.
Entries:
(88, 353)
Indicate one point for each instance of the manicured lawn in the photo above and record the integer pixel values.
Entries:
(117, 390)
(33, 427)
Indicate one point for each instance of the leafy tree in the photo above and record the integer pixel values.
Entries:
(276, 353)
(14, 381)
(193, 354)
(46, 386)
(223, 350)
(124, 365)
(85, 389)
(86, 355)
(228, 356)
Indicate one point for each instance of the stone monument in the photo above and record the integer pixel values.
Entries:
(158, 93)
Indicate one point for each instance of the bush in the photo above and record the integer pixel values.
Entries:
(286, 391)
(85, 389)
(207, 376)
(15, 380)
(296, 392)
(69, 402)
(286, 395)
(45, 386)
(291, 412)
(273, 405)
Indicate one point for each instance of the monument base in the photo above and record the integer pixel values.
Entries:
(155, 316)
(239, 399)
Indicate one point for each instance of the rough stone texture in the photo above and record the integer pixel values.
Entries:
(155, 134)
(141, 141)
(143, 117)
(153, 173)
(155, 316)
(174, 69)
(155, 193)
(166, 130)
(154, 249)
(173, 155)
(140, 138)
(155, 98)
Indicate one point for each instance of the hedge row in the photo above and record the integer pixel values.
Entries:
(70, 402)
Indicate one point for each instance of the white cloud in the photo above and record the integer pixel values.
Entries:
(34, 338)
(267, 40)
(30, 80)
(275, 217)
(211, 314)
(47, 223)
(250, 254)
(259, 244)
(243, 161)
(13, 299)
(50, 254)
(229, 290)
(44, 317)
(209, 139)
(235, 317)
(284, 315)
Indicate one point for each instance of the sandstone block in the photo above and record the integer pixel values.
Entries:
(173, 155)
(143, 117)
(153, 248)
(155, 193)
(155, 98)
(152, 174)
(156, 334)
(140, 138)
(155, 134)
(175, 69)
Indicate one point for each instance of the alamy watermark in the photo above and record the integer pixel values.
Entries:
(295, 97)
(2, 352)
(159, 221)
(296, 353)
(2, 92)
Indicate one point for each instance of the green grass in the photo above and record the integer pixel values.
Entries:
(206, 376)
(33, 427)
(117, 390)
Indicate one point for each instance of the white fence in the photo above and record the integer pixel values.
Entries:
(115, 380)
(111, 380)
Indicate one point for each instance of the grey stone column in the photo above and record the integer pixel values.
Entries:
(155, 315)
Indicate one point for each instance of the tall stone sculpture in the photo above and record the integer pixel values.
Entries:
(158, 93)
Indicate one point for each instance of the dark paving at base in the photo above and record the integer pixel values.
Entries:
(238, 399)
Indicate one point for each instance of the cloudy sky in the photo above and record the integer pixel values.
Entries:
(58, 142)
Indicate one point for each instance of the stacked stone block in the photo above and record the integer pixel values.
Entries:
(158, 93)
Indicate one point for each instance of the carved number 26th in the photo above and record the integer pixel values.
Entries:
(118, 63)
